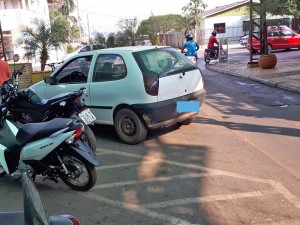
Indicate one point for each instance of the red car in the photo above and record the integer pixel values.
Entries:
(279, 37)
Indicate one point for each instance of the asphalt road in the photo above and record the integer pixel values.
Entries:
(237, 163)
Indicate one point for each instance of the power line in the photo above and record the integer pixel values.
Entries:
(99, 14)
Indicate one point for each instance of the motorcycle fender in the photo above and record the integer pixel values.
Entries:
(86, 152)
(2, 158)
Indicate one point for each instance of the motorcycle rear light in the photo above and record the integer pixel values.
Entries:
(77, 99)
(151, 85)
(74, 220)
(78, 132)
(206, 50)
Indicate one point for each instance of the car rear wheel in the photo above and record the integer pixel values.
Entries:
(129, 127)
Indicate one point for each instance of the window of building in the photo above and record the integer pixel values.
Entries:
(220, 28)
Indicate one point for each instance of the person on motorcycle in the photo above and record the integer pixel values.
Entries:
(211, 42)
(191, 45)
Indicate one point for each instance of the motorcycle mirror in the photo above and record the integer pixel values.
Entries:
(16, 57)
(48, 80)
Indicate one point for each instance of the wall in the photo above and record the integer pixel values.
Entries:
(233, 24)
(25, 78)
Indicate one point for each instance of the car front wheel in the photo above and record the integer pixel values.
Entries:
(270, 49)
(129, 127)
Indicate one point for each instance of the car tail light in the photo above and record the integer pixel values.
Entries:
(74, 220)
(151, 85)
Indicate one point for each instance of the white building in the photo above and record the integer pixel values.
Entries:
(15, 15)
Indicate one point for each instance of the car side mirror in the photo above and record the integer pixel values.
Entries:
(48, 80)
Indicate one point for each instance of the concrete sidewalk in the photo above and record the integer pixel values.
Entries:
(286, 74)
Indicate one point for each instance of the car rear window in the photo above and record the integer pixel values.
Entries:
(162, 62)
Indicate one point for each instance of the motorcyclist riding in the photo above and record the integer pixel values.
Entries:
(212, 40)
(191, 45)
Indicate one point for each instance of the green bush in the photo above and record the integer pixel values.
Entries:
(70, 49)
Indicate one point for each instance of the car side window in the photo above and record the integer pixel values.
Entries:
(273, 34)
(286, 33)
(75, 71)
(109, 67)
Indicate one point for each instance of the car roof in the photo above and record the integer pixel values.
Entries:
(131, 48)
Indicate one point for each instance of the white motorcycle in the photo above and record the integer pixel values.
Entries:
(52, 149)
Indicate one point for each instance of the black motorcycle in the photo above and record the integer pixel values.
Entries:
(210, 54)
(25, 106)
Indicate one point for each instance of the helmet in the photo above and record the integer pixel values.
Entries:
(189, 37)
(214, 33)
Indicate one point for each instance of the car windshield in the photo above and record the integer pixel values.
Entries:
(162, 62)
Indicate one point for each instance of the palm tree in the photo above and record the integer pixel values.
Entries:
(39, 41)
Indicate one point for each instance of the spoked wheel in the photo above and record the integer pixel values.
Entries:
(82, 176)
(129, 127)
(2, 171)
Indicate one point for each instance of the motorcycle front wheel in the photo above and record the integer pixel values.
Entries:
(82, 174)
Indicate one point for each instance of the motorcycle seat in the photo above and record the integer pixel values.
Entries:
(36, 100)
(34, 131)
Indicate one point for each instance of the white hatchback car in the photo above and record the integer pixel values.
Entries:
(132, 88)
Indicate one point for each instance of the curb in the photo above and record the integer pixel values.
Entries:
(282, 86)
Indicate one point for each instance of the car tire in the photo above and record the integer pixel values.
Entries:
(270, 49)
(187, 121)
(129, 127)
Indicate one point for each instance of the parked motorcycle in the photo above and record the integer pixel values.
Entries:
(52, 149)
(34, 211)
(210, 54)
(26, 106)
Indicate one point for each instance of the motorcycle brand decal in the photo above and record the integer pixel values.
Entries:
(47, 145)
(39, 149)
(2, 158)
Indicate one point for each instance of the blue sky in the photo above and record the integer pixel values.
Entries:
(104, 15)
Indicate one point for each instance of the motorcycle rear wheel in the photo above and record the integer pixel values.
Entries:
(88, 135)
(79, 168)
(207, 59)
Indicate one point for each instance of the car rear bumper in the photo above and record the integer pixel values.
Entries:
(164, 113)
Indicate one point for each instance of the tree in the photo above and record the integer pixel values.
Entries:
(110, 42)
(60, 28)
(284, 7)
(100, 39)
(121, 39)
(67, 7)
(39, 41)
(129, 28)
(156, 26)
(193, 11)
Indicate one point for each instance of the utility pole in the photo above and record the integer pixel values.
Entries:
(88, 24)
(78, 22)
